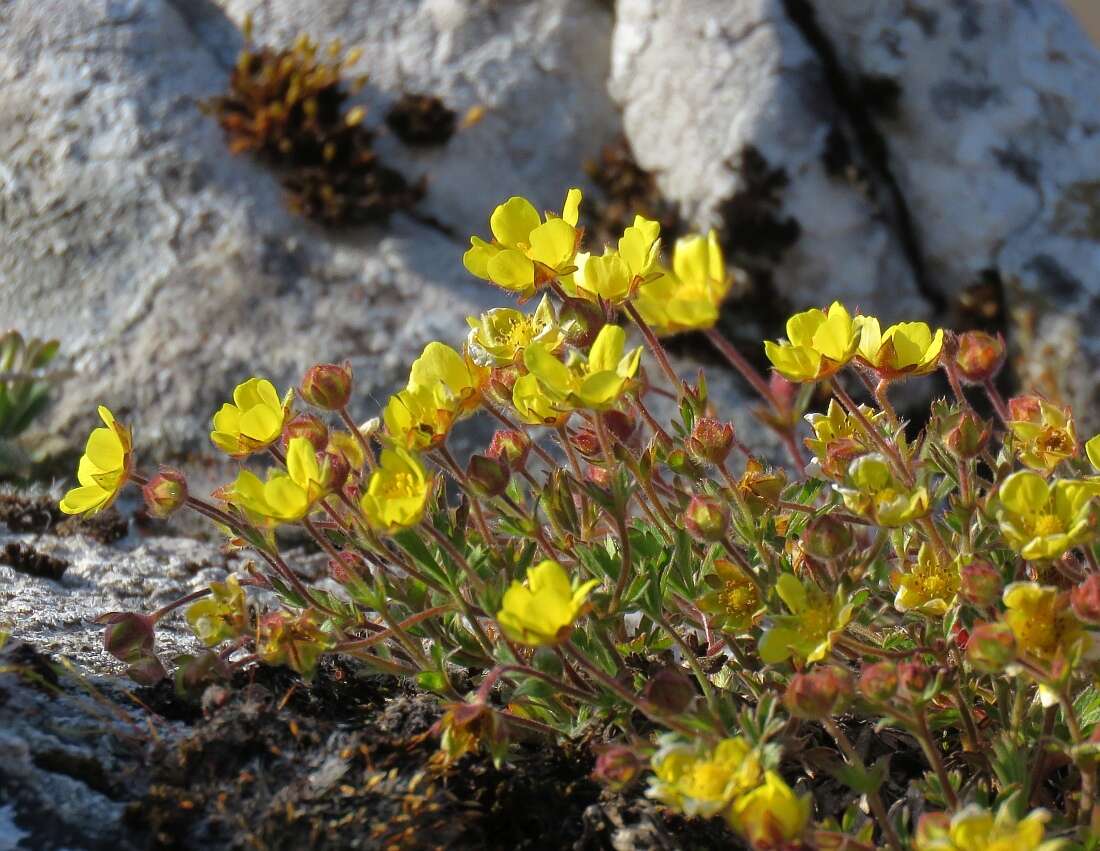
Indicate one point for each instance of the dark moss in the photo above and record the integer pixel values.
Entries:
(421, 120)
(26, 559)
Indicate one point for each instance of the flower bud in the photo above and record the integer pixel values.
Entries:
(599, 476)
(992, 646)
(914, 677)
(616, 766)
(819, 693)
(671, 690)
(586, 442)
(707, 518)
(146, 670)
(1084, 598)
(827, 538)
(620, 424)
(711, 440)
(327, 386)
(129, 635)
(580, 321)
(165, 493)
(980, 583)
(559, 502)
(511, 447)
(335, 469)
(879, 682)
(968, 437)
(1027, 408)
(309, 426)
(502, 380)
(679, 462)
(980, 356)
(783, 391)
(348, 568)
(488, 477)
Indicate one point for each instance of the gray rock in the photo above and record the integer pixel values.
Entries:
(172, 271)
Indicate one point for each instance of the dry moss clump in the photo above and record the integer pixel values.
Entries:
(289, 108)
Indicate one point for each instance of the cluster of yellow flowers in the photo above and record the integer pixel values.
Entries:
(666, 532)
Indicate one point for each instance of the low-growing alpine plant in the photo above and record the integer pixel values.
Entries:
(727, 634)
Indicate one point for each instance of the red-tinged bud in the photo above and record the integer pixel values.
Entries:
(707, 518)
(335, 470)
(711, 440)
(560, 503)
(980, 356)
(348, 568)
(968, 437)
(146, 670)
(980, 583)
(960, 634)
(1084, 598)
(914, 678)
(129, 635)
(879, 682)
(195, 673)
(827, 538)
(586, 442)
(309, 426)
(327, 386)
(671, 690)
(680, 462)
(616, 766)
(165, 493)
(600, 476)
(511, 447)
(581, 321)
(488, 477)
(819, 693)
(991, 648)
(620, 424)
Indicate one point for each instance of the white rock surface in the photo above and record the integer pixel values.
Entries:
(171, 270)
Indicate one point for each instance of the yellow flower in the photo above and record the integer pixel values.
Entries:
(615, 275)
(908, 348)
(771, 815)
(254, 421)
(1041, 619)
(1092, 450)
(1044, 434)
(839, 438)
(733, 597)
(595, 382)
(976, 829)
(454, 383)
(526, 251)
(442, 388)
(500, 336)
(284, 496)
(818, 344)
(687, 297)
(815, 621)
(701, 781)
(1042, 521)
(397, 493)
(542, 611)
(104, 467)
(929, 587)
(872, 491)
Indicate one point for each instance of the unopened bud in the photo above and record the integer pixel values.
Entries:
(620, 424)
(511, 447)
(560, 503)
(599, 476)
(711, 440)
(586, 442)
(327, 386)
(819, 693)
(165, 493)
(1084, 598)
(680, 462)
(580, 321)
(980, 356)
(335, 469)
(980, 583)
(129, 635)
(968, 437)
(827, 538)
(783, 391)
(488, 477)
(616, 766)
(992, 646)
(879, 682)
(914, 678)
(309, 426)
(670, 689)
(1027, 408)
(707, 518)
(146, 670)
(348, 568)
(502, 380)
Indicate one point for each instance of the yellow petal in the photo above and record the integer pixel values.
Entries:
(570, 211)
(477, 257)
(554, 243)
(512, 270)
(513, 221)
